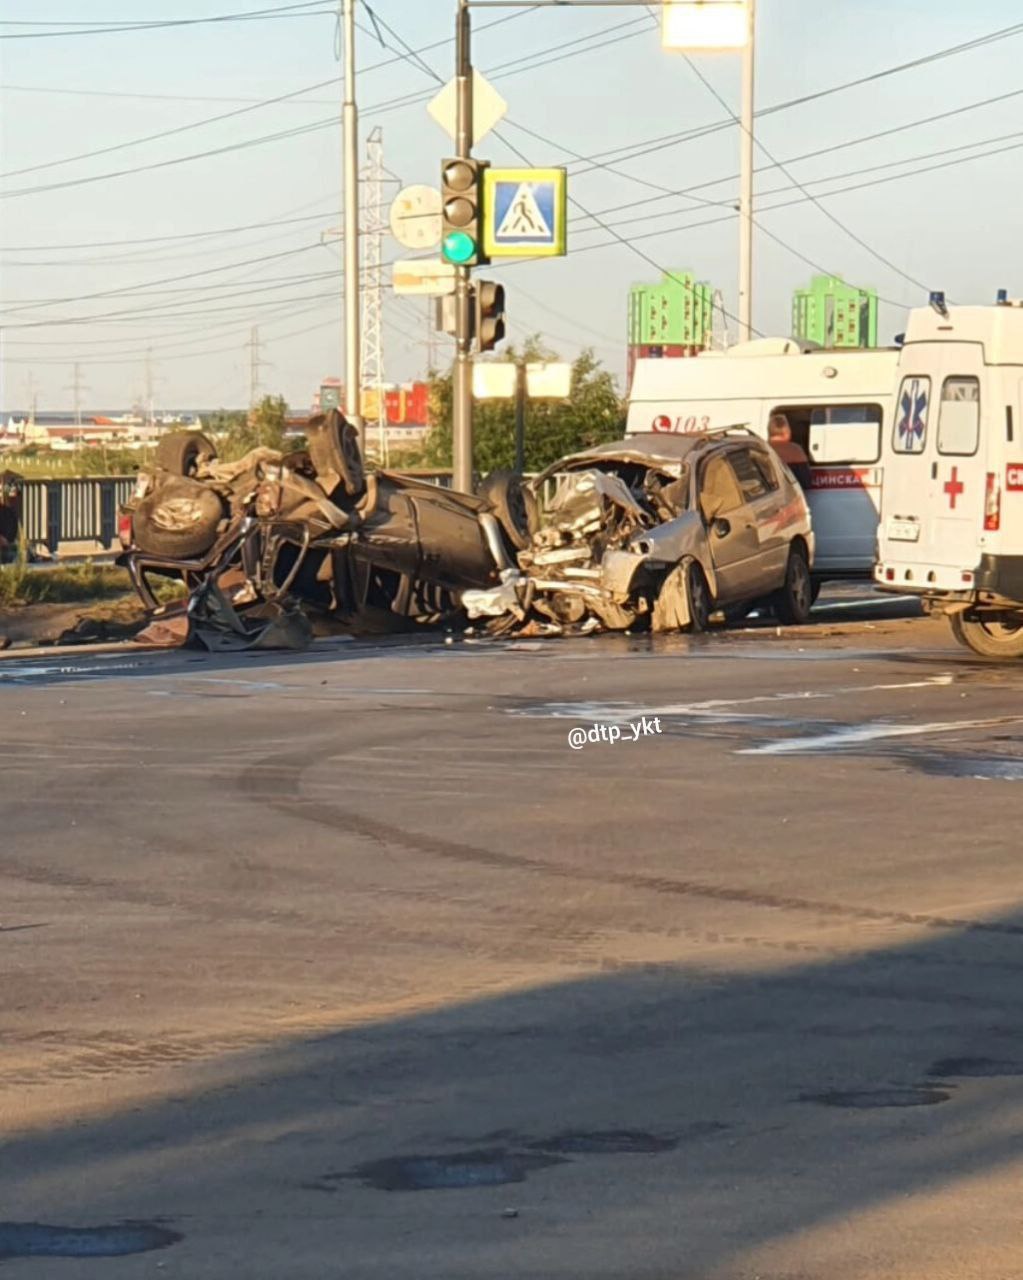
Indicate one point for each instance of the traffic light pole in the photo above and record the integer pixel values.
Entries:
(350, 182)
(520, 416)
(462, 380)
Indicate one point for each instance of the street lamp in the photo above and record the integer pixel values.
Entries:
(715, 26)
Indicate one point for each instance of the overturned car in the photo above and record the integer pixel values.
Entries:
(661, 531)
(273, 539)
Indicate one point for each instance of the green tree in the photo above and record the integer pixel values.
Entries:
(236, 432)
(593, 413)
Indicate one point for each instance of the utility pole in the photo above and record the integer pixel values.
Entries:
(373, 285)
(149, 386)
(746, 179)
(255, 364)
(350, 183)
(76, 388)
(462, 381)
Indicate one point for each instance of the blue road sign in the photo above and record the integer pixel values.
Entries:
(524, 213)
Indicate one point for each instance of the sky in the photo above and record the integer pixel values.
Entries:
(92, 258)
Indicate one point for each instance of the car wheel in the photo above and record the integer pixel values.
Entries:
(989, 639)
(514, 506)
(334, 449)
(699, 598)
(179, 452)
(794, 601)
(179, 520)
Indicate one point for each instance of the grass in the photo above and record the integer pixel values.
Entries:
(21, 584)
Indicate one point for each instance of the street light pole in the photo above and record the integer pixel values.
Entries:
(461, 419)
(350, 174)
(746, 123)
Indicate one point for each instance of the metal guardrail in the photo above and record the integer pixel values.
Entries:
(85, 510)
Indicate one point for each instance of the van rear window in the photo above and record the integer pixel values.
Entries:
(959, 419)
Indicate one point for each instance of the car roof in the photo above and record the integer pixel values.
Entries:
(653, 447)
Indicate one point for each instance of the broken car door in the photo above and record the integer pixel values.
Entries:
(731, 531)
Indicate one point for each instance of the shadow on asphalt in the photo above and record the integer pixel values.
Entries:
(717, 1112)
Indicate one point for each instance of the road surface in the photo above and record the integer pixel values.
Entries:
(348, 965)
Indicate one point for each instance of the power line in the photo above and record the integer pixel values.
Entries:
(843, 227)
(822, 151)
(70, 28)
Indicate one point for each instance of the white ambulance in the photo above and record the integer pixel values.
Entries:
(838, 403)
(952, 517)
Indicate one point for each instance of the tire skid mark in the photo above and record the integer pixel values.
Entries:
(285, 797)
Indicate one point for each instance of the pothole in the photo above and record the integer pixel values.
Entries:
(869, 1099)
(975, 1068)
(487, 1168)
(606, 1142)
(40, 1240)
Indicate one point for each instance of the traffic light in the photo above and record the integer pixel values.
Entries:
(462, 212)
(488, 299)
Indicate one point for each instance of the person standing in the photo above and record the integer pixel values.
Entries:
(779, 437)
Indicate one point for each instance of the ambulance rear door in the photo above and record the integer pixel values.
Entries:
(936, 471)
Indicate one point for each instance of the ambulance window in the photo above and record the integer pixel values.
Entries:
(841, 434)
(911, 409)
(959, 420)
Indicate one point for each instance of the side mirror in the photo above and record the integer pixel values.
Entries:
(722, 528)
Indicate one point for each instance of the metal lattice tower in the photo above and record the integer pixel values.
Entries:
(720, 338)
(373, 229)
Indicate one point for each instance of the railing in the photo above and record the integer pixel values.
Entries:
(57, 511)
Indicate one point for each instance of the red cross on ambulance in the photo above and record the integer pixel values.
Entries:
(954, 487)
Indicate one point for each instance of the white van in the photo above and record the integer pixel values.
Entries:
(952, 517)
(838, 403)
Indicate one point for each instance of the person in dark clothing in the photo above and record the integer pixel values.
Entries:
(779, 437)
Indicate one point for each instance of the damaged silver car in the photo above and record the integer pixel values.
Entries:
(659, 531)
(270, 542)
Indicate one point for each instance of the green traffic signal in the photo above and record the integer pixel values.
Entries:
(458, 247)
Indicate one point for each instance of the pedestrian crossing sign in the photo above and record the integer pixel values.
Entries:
(525, 213)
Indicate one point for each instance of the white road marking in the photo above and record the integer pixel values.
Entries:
(616, 712)
(854, 734)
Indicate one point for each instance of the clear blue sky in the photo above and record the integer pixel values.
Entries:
(956, 228)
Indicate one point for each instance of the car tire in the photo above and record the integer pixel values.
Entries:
(698, 593)
(334, 448)
(514, 506)
(989, 639)
(179, 520)
(792, 604)
(179, 452)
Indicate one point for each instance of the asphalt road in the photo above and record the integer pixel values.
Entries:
(348, 965)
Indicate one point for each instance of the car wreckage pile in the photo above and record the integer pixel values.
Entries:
(267, 545)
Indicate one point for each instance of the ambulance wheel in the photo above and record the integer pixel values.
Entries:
(794, 601)
(988, 638)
